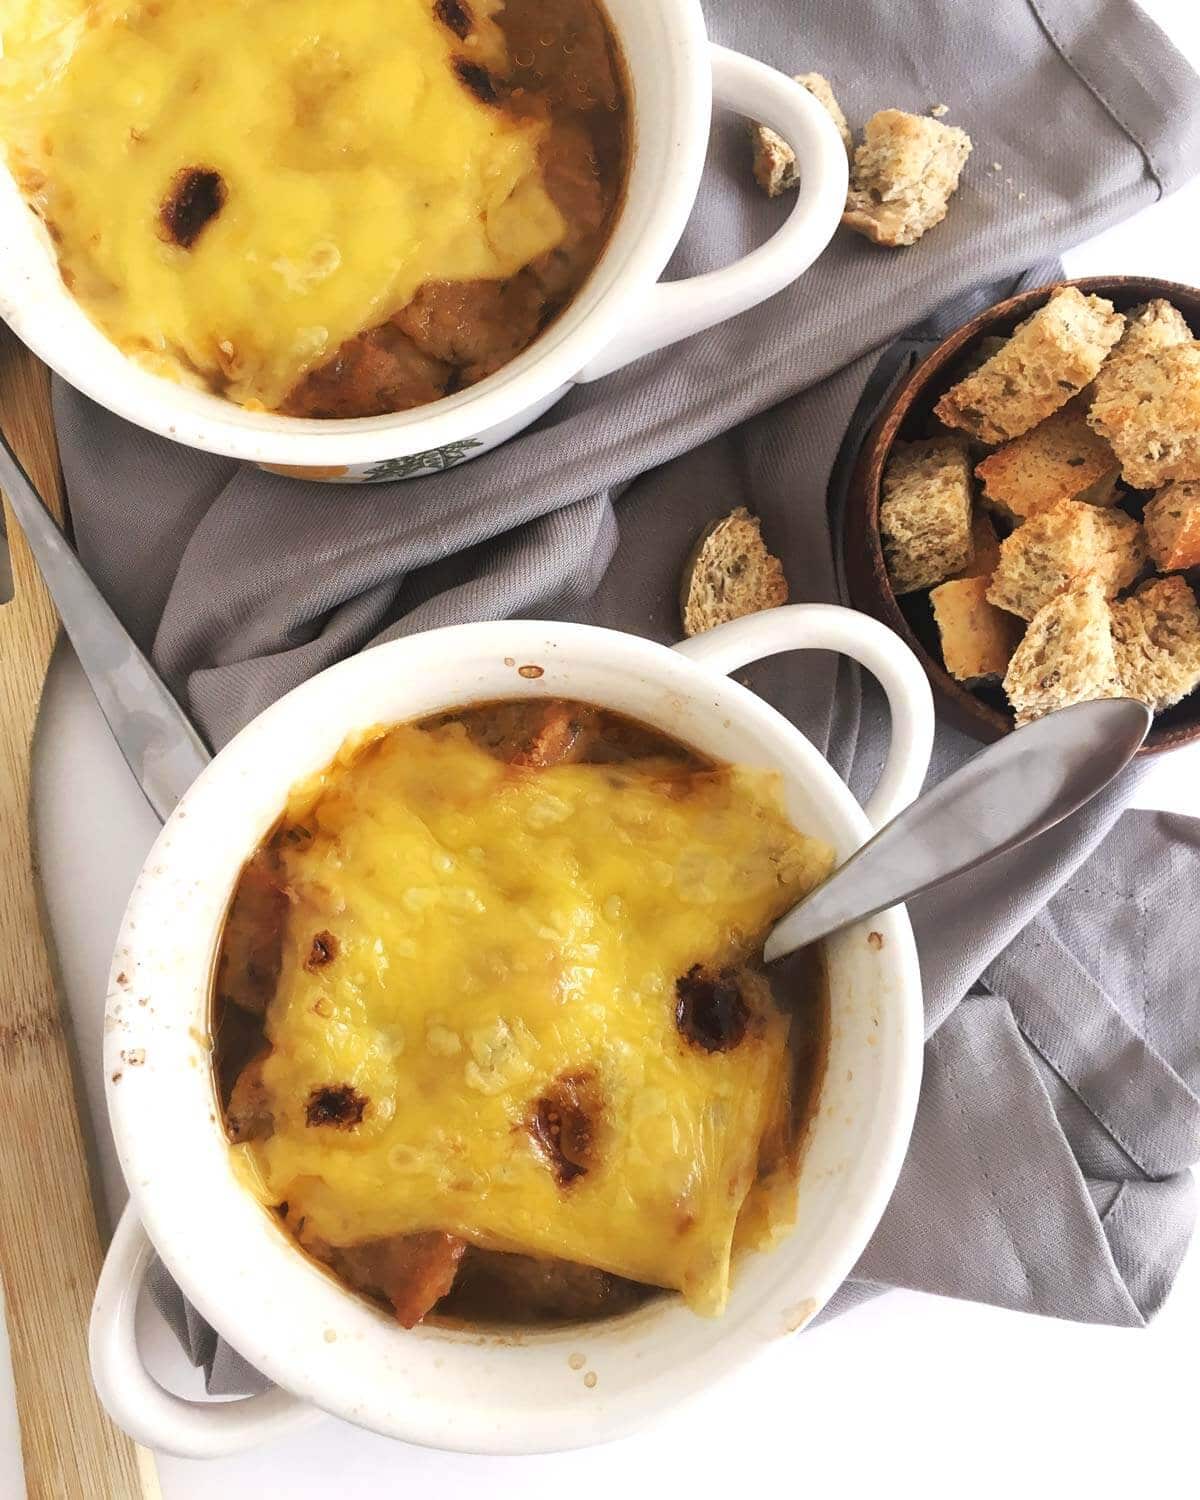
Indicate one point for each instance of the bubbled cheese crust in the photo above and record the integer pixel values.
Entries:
(328, 168)
(497, 967)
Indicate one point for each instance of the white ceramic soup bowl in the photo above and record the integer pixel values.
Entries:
(322, 1345)
(620, 313)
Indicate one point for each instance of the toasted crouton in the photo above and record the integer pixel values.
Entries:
(979, 354)
(977, 638)
(903, 176)
(1059, 459)
(1066, 655)
(1062, 546)
(985, 548)
(822, 91)
(730, 574)
(248, 1115)
(974, 359)
(1172, 521)
(1156, 633)
(1150, 327)
(775, 168)
(562, 736)
(1049, 358)
(1149, 410)
(1153, 325)
(925, 512)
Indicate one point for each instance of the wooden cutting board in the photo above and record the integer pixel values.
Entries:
(50, 1248)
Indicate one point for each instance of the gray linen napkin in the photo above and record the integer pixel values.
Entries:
(1060, 1109)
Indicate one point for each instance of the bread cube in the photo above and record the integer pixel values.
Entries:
(977, 638)
(1149, 327)
(822, 91)
(903, 176)
(1059, 459)
(730, 573)
(1149, 410)
(775, 167)
(1172, 522)
(1049, 358)
(925, 512)
(985, 548)
(1156, 634)
(978, 355)
(1066, 655)
(1062, 546)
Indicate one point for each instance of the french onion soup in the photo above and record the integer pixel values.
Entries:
(491, 1036)
(326, 208)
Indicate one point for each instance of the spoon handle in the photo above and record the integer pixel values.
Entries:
(1017, 788)
(161, 747)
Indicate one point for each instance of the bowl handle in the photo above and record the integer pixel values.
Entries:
(677, 309)
(829, 627)
(134, 1399)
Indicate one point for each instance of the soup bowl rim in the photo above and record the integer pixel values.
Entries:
(235, 1262)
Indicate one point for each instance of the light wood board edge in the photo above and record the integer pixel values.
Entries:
(50, 1250)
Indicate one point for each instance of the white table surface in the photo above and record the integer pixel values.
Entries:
(1019, 1404)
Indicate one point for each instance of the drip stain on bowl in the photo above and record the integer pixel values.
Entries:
(796, 1316)
(590, 1379)
(577, 1361)
(530, 670)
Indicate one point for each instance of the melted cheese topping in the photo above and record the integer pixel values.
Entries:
(495, 930)
(356, 166)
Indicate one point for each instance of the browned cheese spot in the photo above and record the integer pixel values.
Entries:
(339, 1105)
(476, 77)
(563, 1125)
(196, 197)
(323, 951)
(454, 15)
(709, 1009)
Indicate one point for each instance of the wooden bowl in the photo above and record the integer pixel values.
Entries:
(983, 712)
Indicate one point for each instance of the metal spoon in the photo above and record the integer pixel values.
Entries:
(161, 747)
(1005, 795)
